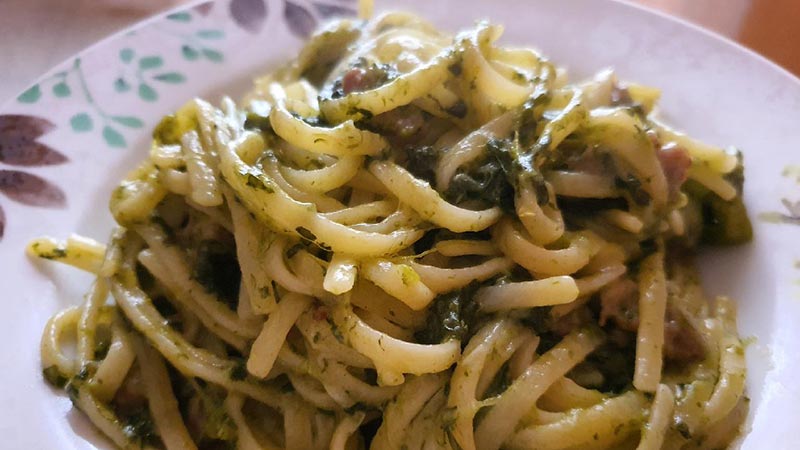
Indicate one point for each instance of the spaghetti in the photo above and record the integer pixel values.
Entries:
(405, 239)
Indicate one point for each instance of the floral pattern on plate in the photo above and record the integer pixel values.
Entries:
(145, 74)
(19, 146)
(103, 96)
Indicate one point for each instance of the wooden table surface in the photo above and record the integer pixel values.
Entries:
(37, 34)
(770, 27)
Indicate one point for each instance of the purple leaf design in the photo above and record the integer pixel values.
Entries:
(326, 10)
(18, 146)
(249, 14)
(30, 189)
(30, 126)
(204, 8)
(2, 222)
(299, 19)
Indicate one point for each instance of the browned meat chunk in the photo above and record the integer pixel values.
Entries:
(620, 96)
(360, 79)
(682, 343)
(407, 126)
(130, 397)
(675, 162)
(619, 302)
(405, 122)
(354, 80)
(572, 321)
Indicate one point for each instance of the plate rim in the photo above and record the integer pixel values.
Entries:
(795, 79)
(111, 37)
(792, 81)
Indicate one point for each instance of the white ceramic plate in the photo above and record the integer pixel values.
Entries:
(66, 141)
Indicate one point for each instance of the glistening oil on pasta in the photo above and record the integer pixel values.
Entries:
(405, 239)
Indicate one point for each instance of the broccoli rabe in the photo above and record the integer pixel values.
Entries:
(217, 269)
(723, 222)
(509, 164)
(451, 317)
(422, 161)
(488, 180)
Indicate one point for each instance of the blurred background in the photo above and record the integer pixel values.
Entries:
(37, 34)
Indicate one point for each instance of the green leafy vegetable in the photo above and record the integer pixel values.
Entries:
(451, 317)
(488, 180)
(724, 222)
(218, 425)
(140, 429)
(217, 269)
(422, 161)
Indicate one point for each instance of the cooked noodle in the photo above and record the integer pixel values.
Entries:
(406, 239)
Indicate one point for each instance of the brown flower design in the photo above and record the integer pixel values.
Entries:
(19, 147)
(302, 16)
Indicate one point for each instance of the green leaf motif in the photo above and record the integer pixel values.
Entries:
(190, 53)
(150, 62)
(212, 55)
(120, 85)
(171, 77)
(113, 138)
(32, 95)
(126, 55)
(81, 123)
(211, 34)
(180, 17)
(128, 121)
(61, 90)
(147, 93)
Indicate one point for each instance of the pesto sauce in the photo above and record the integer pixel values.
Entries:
(255, 121)
(56, 253)
(500, 383)
(218, 427)
(167, 132)
(140, 429)
(55, 377)
(239, 371)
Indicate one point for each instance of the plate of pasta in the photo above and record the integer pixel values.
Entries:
(291, 224)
